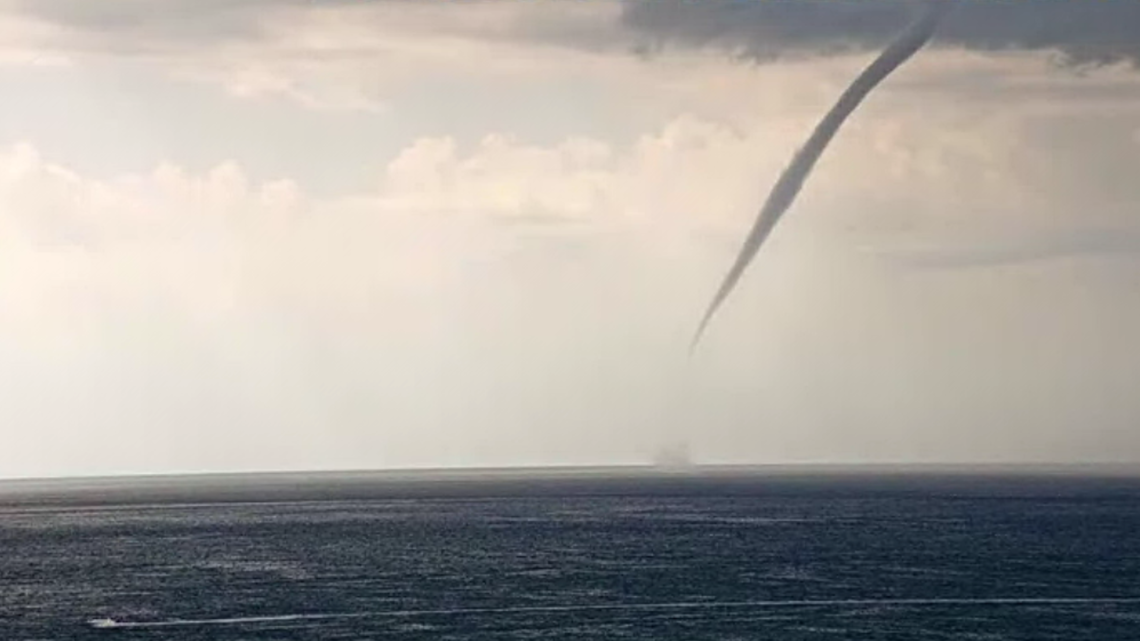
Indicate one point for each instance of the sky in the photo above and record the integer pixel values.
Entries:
(294, 235)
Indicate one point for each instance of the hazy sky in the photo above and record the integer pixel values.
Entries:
(286, 234)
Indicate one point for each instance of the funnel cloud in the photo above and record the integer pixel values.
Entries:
(791, 181)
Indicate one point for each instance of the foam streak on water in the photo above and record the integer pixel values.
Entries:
(106, 623)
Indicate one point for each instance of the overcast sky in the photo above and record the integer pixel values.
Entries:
(292, 234)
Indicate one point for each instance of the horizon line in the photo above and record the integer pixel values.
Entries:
(1132, 467)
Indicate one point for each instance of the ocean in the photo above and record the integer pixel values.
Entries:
(722, 553)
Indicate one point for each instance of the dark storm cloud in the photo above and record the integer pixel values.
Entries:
(1082, 31)
(132, 26)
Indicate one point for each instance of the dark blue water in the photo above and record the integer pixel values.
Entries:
(731, 556)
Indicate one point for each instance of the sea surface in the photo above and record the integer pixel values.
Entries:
(575, 554)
